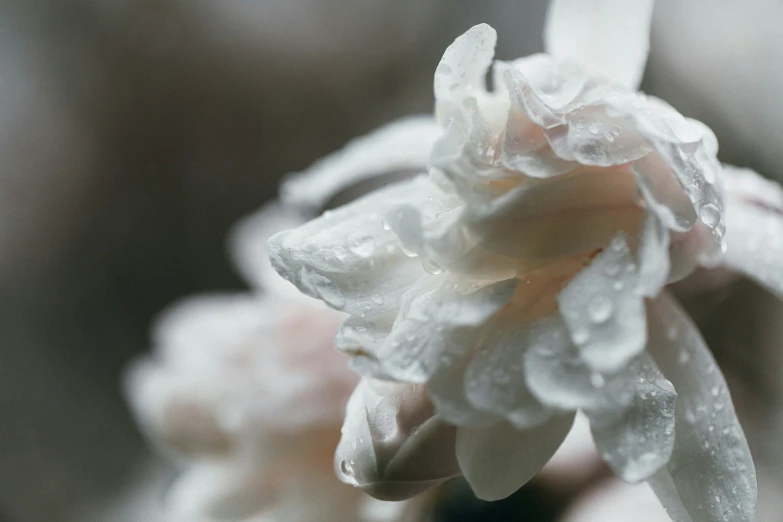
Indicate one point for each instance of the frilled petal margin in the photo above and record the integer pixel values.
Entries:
(710, 475)
(395, 151)
(499, 459)
(610, 38)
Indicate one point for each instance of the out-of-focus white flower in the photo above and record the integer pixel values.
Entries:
(247, 391)
(523, 280)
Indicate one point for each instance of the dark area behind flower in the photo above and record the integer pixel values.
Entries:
(133, 133)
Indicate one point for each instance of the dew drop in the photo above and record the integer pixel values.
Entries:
(600, 309)
(710, 215)
(715, 391)
(612, 269)
(377, 299)
(340, 253)
(362, 245)
(597, 380)
(618, 243)
(581, 336)
(593, 128)
(385, 224)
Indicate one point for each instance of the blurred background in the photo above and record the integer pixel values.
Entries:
(133, 133)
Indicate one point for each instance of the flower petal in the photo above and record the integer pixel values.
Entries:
(609, 38)
(527, 222)
(558, 376)
(461, 71)
(653, 256)
(393, 446)
(495, 379)
(348, 258)
(754, 241)
(499, 459)
(604, 311)
(440, 319)
(400, 149)
(710, 475)
(638, 440)
(248, 246)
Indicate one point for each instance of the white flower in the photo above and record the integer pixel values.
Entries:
(247, 392)
(523, 279)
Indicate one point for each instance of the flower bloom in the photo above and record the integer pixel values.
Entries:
(247, 392)
(523, 279)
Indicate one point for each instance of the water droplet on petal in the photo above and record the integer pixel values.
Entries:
(361, 244)
(377, 299)
(600, 309)
(710, 215)
(581, 336)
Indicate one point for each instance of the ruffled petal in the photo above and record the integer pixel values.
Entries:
(398, 150)
(248, 246)
(495, 379)
(710, 475)
(499, 459)
(559, 377)
(638, 440)
(393, 446)
(609, 38)
(604, 310)
(527, 222)
(461, 71)
(441, 318)
(349, 257)
(653, 256)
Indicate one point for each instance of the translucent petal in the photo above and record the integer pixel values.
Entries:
(609, 38)
(638, 440)
(499, 459)
(440, 320)
(604, 311)
(653, 256)
(710, 475)
(495, 379)
(754, 244)
(348, 258)
(398, 149)
(594, 136)
(663, 193)
(558, 376)
(248, 246)
(461, 71)
(393, 446)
